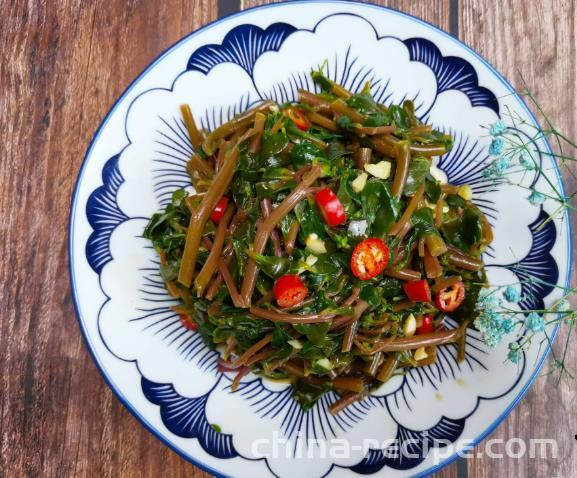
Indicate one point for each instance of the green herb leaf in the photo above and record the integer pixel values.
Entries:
(432, 189)
(418, 170)
(304, 153)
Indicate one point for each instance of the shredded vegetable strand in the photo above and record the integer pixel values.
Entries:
(403, 274)
(199, 219)
(418, 341)
(259, 121)
(198, 165)
(266, 227)
(194, 134)
(278, 316)
(341, 108)
(211, 264)
(403, 158)
(342, 320)
(241, 360)
(291, 237)
(352, 384)
(322, 121)
(311, 99)
(346, 400)
(411, 208)
(464, 261)
(266, 208)
(388, 368)
(211, 143)
(363, 157)
(229, 281)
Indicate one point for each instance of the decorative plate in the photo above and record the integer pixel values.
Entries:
(167, 377)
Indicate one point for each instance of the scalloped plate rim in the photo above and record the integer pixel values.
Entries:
(74, 197)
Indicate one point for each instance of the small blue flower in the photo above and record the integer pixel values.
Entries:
(488, 173)
(526, 160)
(489, 300)
(501, 164)
(496, 168)
(514, 354)
(492, 325)
(496, 147)
(497, 128)
(536, 198)
(512, 294)
(508, 326)
(535, 322)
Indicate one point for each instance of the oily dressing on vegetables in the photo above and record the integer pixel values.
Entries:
(318, 247)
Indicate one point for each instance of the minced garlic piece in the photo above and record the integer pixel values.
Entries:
(381, 170)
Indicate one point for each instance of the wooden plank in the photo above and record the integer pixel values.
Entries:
(434, 11)
(63, 65)
(537, 41)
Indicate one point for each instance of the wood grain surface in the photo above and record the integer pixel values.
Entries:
(63, 64)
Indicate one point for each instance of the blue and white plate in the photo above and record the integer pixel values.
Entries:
(167, 377)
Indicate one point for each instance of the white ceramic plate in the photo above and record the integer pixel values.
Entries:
(165, 375)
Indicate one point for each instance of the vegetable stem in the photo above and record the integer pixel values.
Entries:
(203, 212)
(266, 227)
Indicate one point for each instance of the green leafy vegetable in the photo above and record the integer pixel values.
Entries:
(418, 171)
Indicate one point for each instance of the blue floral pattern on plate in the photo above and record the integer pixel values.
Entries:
(186, 385)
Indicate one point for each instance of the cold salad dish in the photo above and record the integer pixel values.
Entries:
(321, 245)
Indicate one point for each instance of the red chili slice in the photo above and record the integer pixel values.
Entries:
(426, 326)
(331, 207)
(289, 290)
(298, 118)
(369, 258)
(219, 209)
(451, 297)
(187, 322)
(418, 290)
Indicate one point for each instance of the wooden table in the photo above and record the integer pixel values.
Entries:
(63, 65)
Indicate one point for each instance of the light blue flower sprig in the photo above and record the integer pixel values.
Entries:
(492, 325)
(514, 354)
(512, 294)
(526, 160)
(496, 147)
(536, 198)
(498, 128)
(535, 322)
(497, 168)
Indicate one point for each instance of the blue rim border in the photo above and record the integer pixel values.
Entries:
(166, 52)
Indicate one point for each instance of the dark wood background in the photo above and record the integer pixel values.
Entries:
(63, 64)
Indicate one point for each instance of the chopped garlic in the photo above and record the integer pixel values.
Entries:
(466, 192)
(358, 228)
(381, 170)
(410, 326)
(324, 363)
(315, 244)
(295, 344)
(420, 354)
(359, 183)
(432, 206)
(311, 260)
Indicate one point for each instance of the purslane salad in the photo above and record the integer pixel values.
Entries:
(320, 245)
